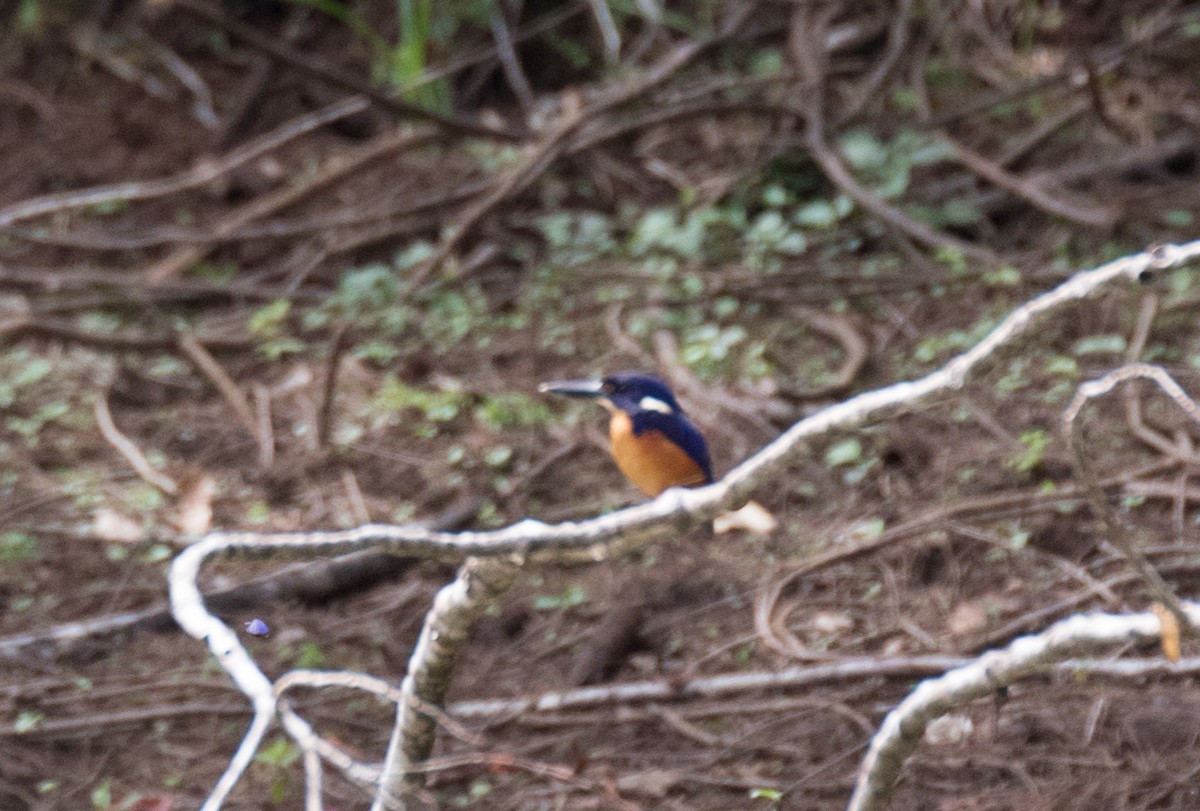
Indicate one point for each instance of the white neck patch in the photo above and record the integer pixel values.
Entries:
(654, 404)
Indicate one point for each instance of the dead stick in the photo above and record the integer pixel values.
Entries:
(225, 384)
(124, 446)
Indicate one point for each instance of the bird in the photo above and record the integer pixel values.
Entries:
(652, 440)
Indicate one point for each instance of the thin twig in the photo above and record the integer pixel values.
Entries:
(807, 31)
(264, 431)
(335, 170)
(543, 154)
(1131, 394)
(224, 384)
(1031, 191)
(321, 69)
(1114, 529)
(337, 350)
(205, 171)
(133, 455)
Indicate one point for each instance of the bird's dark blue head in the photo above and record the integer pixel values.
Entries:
(650, 405)
(630, 392)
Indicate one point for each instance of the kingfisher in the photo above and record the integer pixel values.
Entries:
(653, 442)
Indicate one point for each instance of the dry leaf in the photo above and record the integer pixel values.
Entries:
(831, 622)
(650, 783)
(110, 525)
(949, 729)
(194, 514)
(966, 618)
(753, 518)
(1168, 631)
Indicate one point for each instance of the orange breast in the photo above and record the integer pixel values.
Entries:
(651, 461)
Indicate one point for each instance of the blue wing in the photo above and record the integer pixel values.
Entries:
(680, 430)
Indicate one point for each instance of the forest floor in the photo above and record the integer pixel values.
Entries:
(333, 315)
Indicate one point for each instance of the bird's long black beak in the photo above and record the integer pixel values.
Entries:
(573, 388)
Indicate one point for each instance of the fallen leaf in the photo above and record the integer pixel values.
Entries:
(966, 618)
(1168, 631)
(194, 514)
(110, 525)
(753, 518)
(949, 729)
(153, 802)
(650, 783)
(831, 622)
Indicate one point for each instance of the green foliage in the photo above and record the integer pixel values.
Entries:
(102, 795)
(1100, 345)
(772, 795)
(278, 756)
(477, 791)
(20, 369)
(848, 451)
(935, 347)
(281, 754)
(437, 318)
(28, 720)
(409, 56)
(267, 324)
(573, 595)
(435, 406)
(505, 410)
(30, 427)
(422, 26)
(309, 656)
(1036, 441)
(16, 546)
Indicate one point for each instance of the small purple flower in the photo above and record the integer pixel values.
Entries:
(257, 627)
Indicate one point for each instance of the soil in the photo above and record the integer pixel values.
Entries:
(397, 390)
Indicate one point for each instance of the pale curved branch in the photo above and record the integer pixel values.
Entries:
(904, 726)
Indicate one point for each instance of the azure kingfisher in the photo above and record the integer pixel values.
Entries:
(653, 442)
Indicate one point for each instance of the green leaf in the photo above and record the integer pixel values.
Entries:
(1035, 441)
(573, 595)
(498, 456)
(28, 720)
(863, 150)
(846, 452)
(17, 546)
(816, 214)
(1100, 345)
(772, 794)
(280, 752)
(871, 528)
(310, 656)
(102, 795)
(266, 321)
(156, 554)
(1002, 277)
(767, 62)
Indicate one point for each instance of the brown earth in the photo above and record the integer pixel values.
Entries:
(1091, 108)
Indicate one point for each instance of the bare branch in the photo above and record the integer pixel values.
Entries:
(904, 726)
(431, 666)
(204, 171)
(1090, 390)
(132, 453)
(850, 669)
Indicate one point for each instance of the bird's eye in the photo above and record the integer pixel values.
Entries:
(609, 387)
